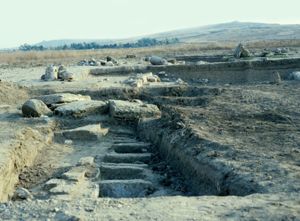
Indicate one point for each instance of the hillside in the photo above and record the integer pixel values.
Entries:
(233, 31)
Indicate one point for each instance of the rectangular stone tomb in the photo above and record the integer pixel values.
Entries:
(125, 188)
(128, 158)
(122, 171)
(131, 147)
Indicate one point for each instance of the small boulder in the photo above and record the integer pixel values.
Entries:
(51, 73)
(92, 62)
(155, 60)
(35, 108)
(83, 63)
(172, 60)
(113, 60)
(64, 75)
(102, 62)
(131, 56)
(67, 76)
(275, 78)
(86, 161)
(61, 70)
(241, 51)
(201, 62)
(22, 194)
(153, 78)
(280, 51)
(294, 76)
(109, 63)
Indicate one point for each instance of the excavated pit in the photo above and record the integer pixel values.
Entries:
(139, 159)
(122, 164)
(202, 143)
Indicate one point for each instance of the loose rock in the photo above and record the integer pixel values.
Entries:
(35, 108)
(51, 73)
(241, 52)
(294, 76)
(275, 78)
(155, 60)
(64, 75)
(111, 59)
(131, 56)
(22, 194)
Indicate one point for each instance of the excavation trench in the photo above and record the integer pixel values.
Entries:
(127, 164)
(115, 163)
(98, 156)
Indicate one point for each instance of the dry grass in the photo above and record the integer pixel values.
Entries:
(273, 43)
(38, 58)
(71, 56)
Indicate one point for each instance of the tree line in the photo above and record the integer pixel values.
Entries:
(144, 42)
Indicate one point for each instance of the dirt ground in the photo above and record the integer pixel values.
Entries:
(249, 134)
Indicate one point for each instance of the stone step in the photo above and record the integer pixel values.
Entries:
(76, 174)
(123, 171)
(138, 147)
(63, 98)
(71, 190)
(79, 109)
(122, 131)
(119, 140)
(89, 132)
(139, 165)
(127, 158)
(125, 188)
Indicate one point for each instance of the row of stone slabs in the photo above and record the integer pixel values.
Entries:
(126, 173)
(122, 172)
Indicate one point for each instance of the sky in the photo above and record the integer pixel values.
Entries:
(32, 21)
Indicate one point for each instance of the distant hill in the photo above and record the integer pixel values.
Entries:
(61, 42)
(233, 31)
(236, 31)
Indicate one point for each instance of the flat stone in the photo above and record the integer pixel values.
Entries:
(132, 110)
(125, 188)
(127, 158)
(122, 131)
(89, 132)
(75, 174)
(82, 108)
(60, 186)
(86, 161)
(122, 172)
(118, 140)
(139, 147)
(69, 190)
(62, 98)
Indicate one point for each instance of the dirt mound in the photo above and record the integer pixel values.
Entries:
(12, 94)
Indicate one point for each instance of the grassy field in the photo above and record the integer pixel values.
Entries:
(39, 58)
